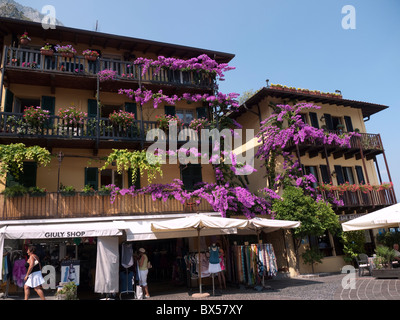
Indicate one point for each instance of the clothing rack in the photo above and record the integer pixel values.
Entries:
(11, 253)
(253, 263)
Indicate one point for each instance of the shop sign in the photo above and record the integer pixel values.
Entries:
(65, 234)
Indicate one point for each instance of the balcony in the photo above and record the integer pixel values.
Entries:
(56, 71)
(362, 200)
(367, 145)
(78, 205)
(91, 133)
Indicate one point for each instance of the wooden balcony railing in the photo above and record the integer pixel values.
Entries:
(78, 205)
(14, 125)
(365, 145)
(360, 199)
(25, 59)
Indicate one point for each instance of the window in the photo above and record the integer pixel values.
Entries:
(314, 119)
(21, 104)
(313, 170)
(303, 117)
(186, 116)
(344, 174)
(92, 177)
(332, 122)
(108, 109)
(322, 243)
(324, 174)
(111, 176)
(191, 175)
(336, 121)
(349, 124)
(27, 178)
(137, 181)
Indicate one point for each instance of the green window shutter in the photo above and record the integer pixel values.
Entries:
(324, 174)
(329, 121)
(339, 175)
(92, 108)
(131, 107)
(92, 177)
(170, 110)
(314, 120)
(191, 175)
(360, 174)
(137, 182)
(201, 112)
(27, 178)
(9, 101)
(49, 103)
(349, 124)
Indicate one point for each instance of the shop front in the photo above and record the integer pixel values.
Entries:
(100, 256)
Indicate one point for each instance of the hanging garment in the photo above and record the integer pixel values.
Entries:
(127, 255)
(214, 264)
(107, 277)
(19, 272)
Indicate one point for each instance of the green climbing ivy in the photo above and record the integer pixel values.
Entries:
(12, 157)
(125, 160)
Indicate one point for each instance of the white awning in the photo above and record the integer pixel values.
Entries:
(141, 230)
(61, 230)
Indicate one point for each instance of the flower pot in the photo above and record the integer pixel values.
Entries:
(37, 195)
(67, 55)
(90, 58)
(386, 273)
(47, 52)
(24, 42)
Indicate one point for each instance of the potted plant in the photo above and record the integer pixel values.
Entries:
(37, 192)
(36, 117)
(68, 291)
(67, 191)
(383, 263)
(198, 124)
(163, 121)
(90, 55)
(66, 51)
(47, 50)
(24, 39)
(340, 127)
(122, 118)
(15, 191)
(72, 116)
(105, 190)
(88, 190)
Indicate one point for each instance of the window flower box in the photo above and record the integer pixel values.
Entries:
(90, 55)
(67, 51)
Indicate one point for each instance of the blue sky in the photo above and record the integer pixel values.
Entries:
(296, 43)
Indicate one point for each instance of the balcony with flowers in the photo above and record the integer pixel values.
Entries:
(349, 197)
(63, 60)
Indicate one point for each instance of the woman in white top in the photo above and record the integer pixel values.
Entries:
(33, 278)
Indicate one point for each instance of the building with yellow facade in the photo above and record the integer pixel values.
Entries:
(332, 166)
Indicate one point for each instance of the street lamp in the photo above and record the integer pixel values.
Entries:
(60, 158)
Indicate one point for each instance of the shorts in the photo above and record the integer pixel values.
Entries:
(143, 277)
(35, 279)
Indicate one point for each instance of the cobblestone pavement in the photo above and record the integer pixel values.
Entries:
(323, 287)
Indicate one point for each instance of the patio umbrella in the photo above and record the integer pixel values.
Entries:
(383, 218)
(270, 225)
(198, 222)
